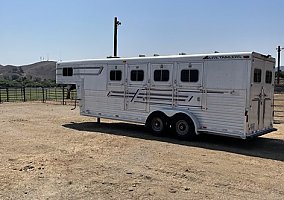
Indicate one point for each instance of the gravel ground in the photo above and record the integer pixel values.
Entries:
(51, 152)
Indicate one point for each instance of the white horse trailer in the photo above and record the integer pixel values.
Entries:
(228, 94)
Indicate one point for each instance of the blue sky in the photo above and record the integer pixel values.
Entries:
(83, 29)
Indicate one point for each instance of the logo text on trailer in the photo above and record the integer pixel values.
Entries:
(222, 57)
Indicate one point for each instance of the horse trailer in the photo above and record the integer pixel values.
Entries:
(229, 94)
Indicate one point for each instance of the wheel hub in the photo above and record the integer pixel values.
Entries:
(182, 127)
(157, 124)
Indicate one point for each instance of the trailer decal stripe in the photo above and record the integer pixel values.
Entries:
(190, 98)
(191, 91)
(169, 99)
(119, 92)
(134, 95)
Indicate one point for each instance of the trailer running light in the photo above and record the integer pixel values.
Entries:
(246, 115)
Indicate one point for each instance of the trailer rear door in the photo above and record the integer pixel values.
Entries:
(261, 113)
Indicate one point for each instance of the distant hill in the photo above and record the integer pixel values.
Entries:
(44, 70)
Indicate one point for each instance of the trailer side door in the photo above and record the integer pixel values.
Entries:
(161, 85)
(115, 88)
(137, 87)
(188, 89)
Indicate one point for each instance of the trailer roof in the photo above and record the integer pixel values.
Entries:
(212, 56)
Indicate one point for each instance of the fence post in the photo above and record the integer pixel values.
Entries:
(63, 95)
(49, 98)
(7, 92)
(16, 94)
(45, 94)
(24, 92)
(0, 96)
(55, 94)
(42, 89)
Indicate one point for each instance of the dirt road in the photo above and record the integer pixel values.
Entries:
(50, 152)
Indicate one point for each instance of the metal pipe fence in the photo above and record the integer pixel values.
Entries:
(54, 94)
(278, 101)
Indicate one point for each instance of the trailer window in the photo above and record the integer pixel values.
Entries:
(189, 75)
(161, 75)
(257, 75)
(268, 77)
(67, 71)
(137, 75)
(115, 75)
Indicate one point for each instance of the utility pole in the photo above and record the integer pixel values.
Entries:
(116, 24)
(278, 70)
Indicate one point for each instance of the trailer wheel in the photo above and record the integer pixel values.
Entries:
(157, 123)
(184, 127)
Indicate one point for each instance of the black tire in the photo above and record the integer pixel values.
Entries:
(183, 127)
(157, 124)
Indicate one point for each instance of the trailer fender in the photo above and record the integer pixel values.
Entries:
(170, 113)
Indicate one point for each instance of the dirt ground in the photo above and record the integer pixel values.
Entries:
(51, 152)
